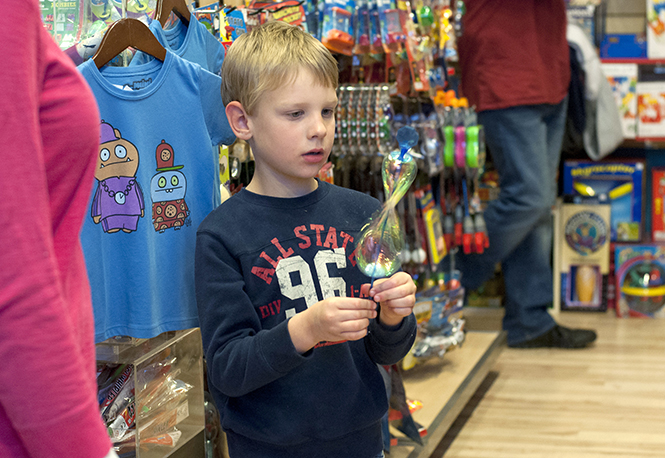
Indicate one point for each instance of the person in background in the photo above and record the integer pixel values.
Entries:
(518, 83)
(49, 132)
(291, 336)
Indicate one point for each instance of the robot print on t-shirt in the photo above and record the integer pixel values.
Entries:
(118, 201)
(167, 190)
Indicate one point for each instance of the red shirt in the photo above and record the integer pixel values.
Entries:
(49, 137)
(514, 52)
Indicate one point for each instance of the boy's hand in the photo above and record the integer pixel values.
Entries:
(332, 320)
(397, 296)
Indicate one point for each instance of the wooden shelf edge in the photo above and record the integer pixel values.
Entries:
(452, 408)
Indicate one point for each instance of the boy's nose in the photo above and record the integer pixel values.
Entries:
(319, 127)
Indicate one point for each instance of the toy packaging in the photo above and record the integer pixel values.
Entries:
(337, 30)
(63, 20)
(650, 101)
(209, 17)
(623, 45)
(655, 28)
(611, 279)
(585, 17)
(619, 182)
(640, 280)
(439, 314)
(431, 215)
(392, 35)
(623, 81)
(584, 257)
(658, 204)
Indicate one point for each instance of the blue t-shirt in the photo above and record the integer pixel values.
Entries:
(156, 180)
(193, 43)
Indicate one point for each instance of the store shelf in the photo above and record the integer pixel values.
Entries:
(444, 386)
(194, 448)
(627, 60)
(644, 143)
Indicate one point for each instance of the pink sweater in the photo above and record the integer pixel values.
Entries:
(49, 134)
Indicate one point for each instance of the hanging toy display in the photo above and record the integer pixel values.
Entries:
(382, 239)
(392, 35)
(362, 28)
(337, 28)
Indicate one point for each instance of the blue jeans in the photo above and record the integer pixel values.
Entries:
(525, 147)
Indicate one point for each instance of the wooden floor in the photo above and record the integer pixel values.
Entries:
(604, 401)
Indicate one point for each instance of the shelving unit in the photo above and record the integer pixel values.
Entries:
(444, 386)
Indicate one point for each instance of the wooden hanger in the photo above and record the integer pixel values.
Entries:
(124, 33)
(179, 7)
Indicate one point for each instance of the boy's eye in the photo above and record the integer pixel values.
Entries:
(296, 114)
(327, 112)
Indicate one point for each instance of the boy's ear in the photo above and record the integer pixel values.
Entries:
(235, 113)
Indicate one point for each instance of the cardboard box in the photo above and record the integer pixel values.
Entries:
(658, 204)
(650, 101)
(623, 81)
(584, 256)
(587, 17)
(621, 182)
(655, 29)
(623, 45)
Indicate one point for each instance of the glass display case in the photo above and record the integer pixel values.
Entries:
(151, 392)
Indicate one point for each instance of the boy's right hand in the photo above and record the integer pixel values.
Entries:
(331, 320)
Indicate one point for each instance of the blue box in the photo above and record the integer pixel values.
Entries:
(617, 46)
(621, 183)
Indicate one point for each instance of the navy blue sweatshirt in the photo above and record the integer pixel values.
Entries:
(260, 260)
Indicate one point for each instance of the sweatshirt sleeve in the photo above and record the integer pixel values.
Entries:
(47, 378)
(387, 346)
(241, 356)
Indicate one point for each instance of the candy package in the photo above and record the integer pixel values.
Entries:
(120, 391)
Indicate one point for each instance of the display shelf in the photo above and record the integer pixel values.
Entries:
(629, 60)
(194, 448)
(644, 143)
(444, 386)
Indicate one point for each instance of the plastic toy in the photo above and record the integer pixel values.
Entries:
(439, 344)
(101, 9)
(362, 28)
(392, 35)
(337, 32)
(644, 287)
(376, 45)
(440, 323)
(640, 280)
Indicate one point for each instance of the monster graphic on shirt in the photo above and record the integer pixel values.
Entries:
(167, 190)
(118, 202)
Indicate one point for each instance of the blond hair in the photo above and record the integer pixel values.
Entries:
(269, 57)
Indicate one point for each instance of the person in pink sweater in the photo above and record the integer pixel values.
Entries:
(49, 134)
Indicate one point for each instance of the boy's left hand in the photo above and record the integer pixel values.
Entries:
(397, 296)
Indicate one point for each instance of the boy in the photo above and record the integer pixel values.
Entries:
(292, 339)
